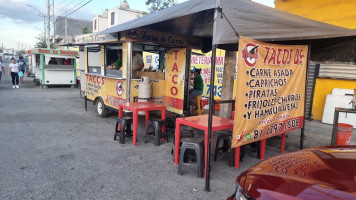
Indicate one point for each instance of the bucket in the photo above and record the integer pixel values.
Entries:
(204, 101)
(344, 132)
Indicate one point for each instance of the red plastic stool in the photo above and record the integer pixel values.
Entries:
(263, 146)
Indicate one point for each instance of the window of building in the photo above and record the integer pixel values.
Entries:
(94, 24)
(112, 18)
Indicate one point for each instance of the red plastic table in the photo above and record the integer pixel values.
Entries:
(200, 122)
(135, 107)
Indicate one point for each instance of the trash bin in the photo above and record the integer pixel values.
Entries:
(344, 132)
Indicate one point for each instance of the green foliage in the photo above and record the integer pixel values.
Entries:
(157, 5)
(41, 42)
(86, 30)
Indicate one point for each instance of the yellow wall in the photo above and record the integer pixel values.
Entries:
(336, 12)
(324, 87)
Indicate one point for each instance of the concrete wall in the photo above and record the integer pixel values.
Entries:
(336, 12)
(323, 87)
(122, 15)
(74, 26)
(101, 23)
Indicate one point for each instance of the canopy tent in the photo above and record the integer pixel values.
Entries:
(253, 20)
(221, 29)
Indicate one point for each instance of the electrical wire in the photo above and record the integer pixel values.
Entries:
(66, 6)
(78, 8)
(74, 7)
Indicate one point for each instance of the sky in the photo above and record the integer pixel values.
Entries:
(21, 24)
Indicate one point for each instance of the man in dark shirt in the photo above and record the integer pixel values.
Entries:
(198, 86)
(52, 61)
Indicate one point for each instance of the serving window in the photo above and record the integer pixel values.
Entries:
(113, 60)
(154, 61)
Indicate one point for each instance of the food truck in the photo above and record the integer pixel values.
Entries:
(53, 66)
(107, 87)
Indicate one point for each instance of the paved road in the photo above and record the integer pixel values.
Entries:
(50, 148)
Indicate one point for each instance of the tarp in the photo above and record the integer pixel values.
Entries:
(253, 20)
(264, 23)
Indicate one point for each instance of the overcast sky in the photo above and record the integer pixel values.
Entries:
(20, 24)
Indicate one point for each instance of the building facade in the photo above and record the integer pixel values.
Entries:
(328, 76)
(114, 16)
(67, 28)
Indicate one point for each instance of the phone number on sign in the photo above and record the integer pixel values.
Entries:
(277, 128)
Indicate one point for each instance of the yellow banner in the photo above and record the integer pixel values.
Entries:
(175, 70)
(203, 62)
(112, 91)
(270, 90)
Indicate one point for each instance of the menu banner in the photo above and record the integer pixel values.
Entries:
(174, 76)
(270, 90)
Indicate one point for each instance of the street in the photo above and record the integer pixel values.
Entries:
(50, 148)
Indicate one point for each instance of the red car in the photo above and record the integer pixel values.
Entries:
(321, 173)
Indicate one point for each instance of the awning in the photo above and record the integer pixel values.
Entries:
(196, 17)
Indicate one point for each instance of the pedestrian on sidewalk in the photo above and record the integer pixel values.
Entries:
(2, 68)
(14, 68)
(22, 64)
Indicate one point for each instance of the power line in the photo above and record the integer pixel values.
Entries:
(78, 8)
(67, 11)
(66, 7)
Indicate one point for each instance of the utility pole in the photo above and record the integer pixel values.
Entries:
(65, 29)
(48, 24)
(44, 28)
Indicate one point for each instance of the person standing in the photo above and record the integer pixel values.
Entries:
(137, 61)
(14, 68)
(137, 64)
(118, 63)
(66, 61)
(22, 64)
(2, 68)
(52, 61)
(198, 86)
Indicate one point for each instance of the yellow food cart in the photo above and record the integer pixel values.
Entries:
(107, 87)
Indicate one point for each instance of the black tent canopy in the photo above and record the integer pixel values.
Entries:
(249, 19)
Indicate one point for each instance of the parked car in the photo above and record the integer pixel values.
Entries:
(321, 173)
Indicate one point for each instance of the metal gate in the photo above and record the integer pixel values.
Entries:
(310, 91)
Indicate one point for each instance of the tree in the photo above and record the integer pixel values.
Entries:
(86, 30)
(157, 5)
(41, 42)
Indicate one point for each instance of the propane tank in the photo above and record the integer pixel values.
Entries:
(144, 88)
(144, 91)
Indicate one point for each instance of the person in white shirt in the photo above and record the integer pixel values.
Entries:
(14, 68)
(2, 68)
(137, 63)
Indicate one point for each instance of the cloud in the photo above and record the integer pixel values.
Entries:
(13, 34)
(18, 11)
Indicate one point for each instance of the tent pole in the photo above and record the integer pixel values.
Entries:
(210, 117)
(302, 136)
